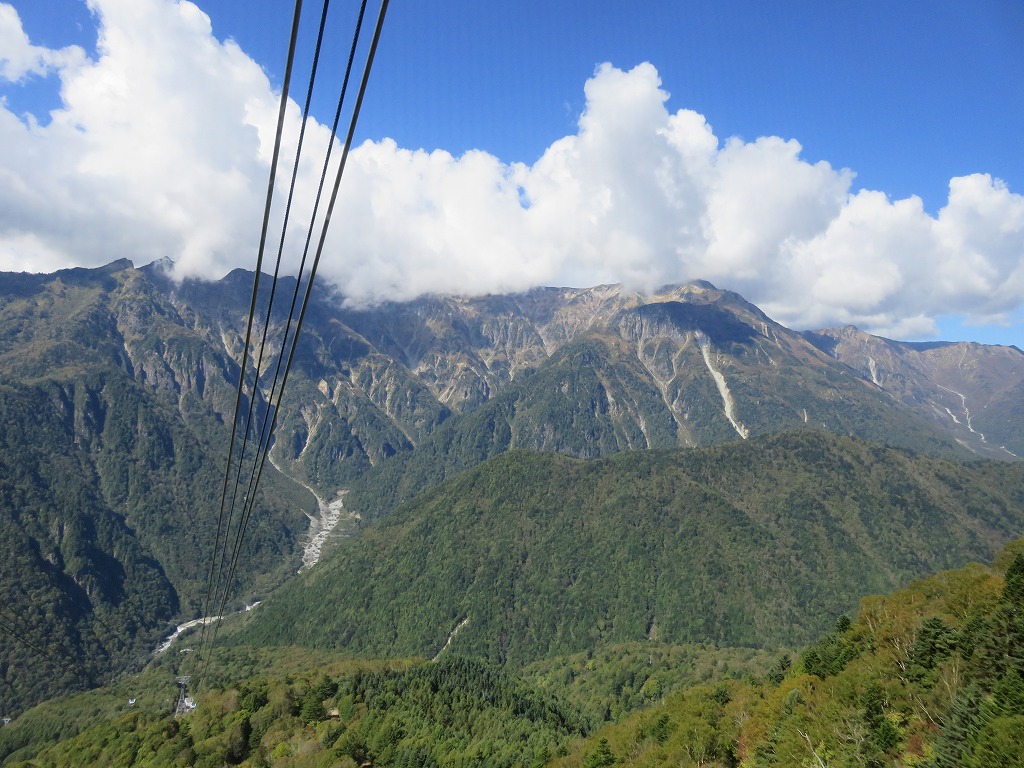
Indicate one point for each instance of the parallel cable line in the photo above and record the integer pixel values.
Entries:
(320, 246)
(252, 305)
(225, 586)
(330, 209)
(265, 438)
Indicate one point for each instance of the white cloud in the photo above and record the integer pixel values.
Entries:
(152, 153)
(19, 58)
(162, 146)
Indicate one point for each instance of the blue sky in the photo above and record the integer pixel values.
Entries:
(905, 96)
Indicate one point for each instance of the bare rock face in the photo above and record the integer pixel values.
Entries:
(592, 370)
(973, 391)
(584, 371)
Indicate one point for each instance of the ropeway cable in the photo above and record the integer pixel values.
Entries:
(220, 584)
(327, 220)
(252, 305)
(274, 409)
(266, 434)
(249, 496)
(323, 235)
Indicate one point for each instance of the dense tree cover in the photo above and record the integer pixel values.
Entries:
(111, 464)
(612, 681)
(108, 513)
(927, 676)
(457, 712)
(930, 676)
(755, 544)
(80, 593)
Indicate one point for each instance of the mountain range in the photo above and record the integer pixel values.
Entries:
(119, 383)
(588, 372)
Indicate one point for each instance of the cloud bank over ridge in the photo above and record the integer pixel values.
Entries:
(162, 145)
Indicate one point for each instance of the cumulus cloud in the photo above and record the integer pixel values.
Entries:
(162, 145)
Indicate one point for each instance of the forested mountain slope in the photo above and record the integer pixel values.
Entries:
(930, 675)
(925, 676)
(112, 451)
(760, 542)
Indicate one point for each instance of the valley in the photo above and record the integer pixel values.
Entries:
(532, 483)
(322, 525)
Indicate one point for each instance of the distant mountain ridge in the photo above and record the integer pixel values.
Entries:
(449, 381)
(974, 390)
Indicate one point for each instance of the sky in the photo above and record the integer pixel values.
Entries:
(835, 163)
